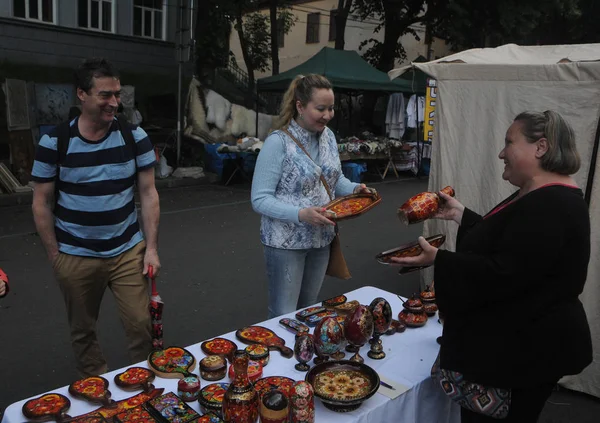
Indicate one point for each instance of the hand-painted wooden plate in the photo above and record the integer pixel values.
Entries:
(93, 389)
(128, 403)
(92, 418)
(47, 407)
(352, 205)
(262, 335)
(135, 415)
(412, 249)
(135, 378)
(219, 346)
(281, 383)
(172, 362)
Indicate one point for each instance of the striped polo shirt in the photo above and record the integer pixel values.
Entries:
(95, 215)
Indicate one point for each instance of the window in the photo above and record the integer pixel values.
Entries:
(96, 14)
(332, 24)
(280, 33)
(312, 28)
(35, 10)
(149, 18)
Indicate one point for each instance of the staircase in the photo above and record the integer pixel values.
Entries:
(233, 83)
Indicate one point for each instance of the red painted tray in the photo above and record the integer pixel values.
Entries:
(47, 407)
(352, 205)
(412, 249)
(136, 378)
(219, 346)
(123, 405)
(172, 362)
(262, 335)
(93, 389)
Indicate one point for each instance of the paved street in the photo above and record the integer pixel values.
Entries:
(213, 281)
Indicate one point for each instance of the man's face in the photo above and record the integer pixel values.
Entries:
(102, 100)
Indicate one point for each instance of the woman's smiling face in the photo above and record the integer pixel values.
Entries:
(317, 113)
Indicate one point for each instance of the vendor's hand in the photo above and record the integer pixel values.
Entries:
(450, 209)
(315, 216)
(2, 287)
(151, 259)
(426, 258)
(363, 188)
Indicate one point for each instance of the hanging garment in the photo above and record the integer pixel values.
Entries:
(395, 116)
(411, 112)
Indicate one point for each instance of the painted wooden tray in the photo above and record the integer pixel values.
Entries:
(93, 418)
(262, 335)
(172, 409)
(136, 378)
(172, 362)
(92, 389)
(412, 249)
(47, 407)
(352, 205)
(219, 346)
(123, 405)
(135, 415)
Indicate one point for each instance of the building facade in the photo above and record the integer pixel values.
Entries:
(315, 29)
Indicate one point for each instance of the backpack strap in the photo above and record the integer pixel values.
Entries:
(126, 129)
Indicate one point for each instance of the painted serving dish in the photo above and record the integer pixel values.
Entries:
(255, 371)
(172, 362)
(219, 346)
(134, 415)
(93, 389)
(422, 206)
(211, 398)
(47, 407)
(412, 249)
(213, 367)
(265, 336)
(343, 385)
(412, 320)
(258, 353)
(281, 383)
(334, 301)
(352, 205)
(135, 378)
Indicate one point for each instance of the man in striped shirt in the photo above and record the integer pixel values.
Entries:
(84, 211)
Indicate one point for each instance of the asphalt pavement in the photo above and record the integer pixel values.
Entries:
(213, 281)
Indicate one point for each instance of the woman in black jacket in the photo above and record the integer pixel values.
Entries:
(513, 323)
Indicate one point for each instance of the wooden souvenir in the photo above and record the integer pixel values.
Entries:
(358, 329)
(254, 370)
(413, 304)
(281, 383)
(343, 385)
(303, 314)
(412, 320)
(422, 206)
(259, 353)
(344, 309)
(304, 349)
(334, 301)
(47, 407)
(262, 335)
(396, 327)
(213, 367)
(92, 389)
(294, 326)
(211, 398)
(382, 319)
(240, 403)
(93, 418)
(135, 378)
(188, 388)
(274, 407)
(430, 309)
(123, 405)
(135, 415)
(328, 338)
(316, 318)
(302, 403)
(172, 409)
(209, 418)
(219, 346)
(412, 249)
(428, 295)
(172, 362)
(352, 205)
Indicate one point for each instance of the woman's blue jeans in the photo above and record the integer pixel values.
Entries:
(295, 277)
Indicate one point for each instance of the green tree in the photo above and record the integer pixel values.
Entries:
(341, 18)
(213, 29)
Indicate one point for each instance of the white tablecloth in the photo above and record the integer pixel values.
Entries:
(408, 361)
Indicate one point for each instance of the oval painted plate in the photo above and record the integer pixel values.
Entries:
(93, 389)
(219, 346)
(172, 362)
(135, 378)
(47, 407)
(412, 249)
(352, 205)
(281, 383)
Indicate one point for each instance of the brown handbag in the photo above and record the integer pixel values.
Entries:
(337, 266)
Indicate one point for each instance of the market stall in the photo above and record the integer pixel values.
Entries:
(480, 92)
(406, 368)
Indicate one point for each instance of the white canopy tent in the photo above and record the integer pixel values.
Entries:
(479, 93)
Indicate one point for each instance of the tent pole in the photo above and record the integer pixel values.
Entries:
(256, 122)
(592, 171)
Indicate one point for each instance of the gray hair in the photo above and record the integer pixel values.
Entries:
(562, 156)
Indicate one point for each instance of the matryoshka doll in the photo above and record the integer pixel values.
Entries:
(302, 403)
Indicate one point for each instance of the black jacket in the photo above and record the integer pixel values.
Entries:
(509, 294)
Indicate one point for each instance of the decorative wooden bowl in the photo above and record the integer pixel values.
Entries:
(352, 205)
(211, 398)
(343, 385)
(412, 320)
